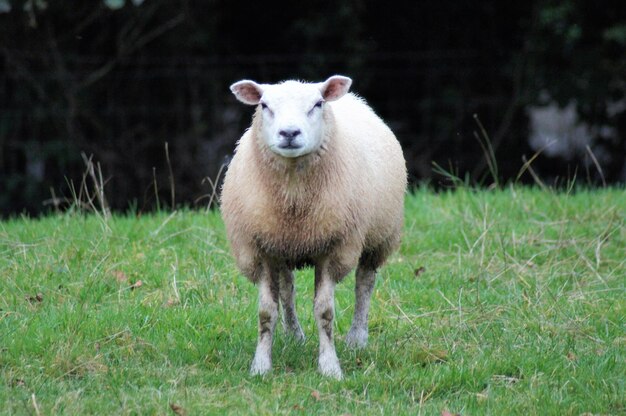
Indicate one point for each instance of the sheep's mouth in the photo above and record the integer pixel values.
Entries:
(290, 145)
(288, 150)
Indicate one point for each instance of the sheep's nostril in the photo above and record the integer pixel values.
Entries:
(290, 134)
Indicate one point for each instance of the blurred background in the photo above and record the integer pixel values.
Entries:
(133, 95)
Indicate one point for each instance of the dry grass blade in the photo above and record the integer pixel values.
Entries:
(98, 184)
(35, 405)
(487, 148)
(171, 177)
(527, 166)
(156, 189)
(595, 162)
(214, 185)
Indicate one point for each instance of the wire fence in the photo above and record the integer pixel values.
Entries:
(123, 111)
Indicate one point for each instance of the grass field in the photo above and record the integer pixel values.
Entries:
(499, 302)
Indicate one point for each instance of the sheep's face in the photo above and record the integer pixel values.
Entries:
(292, 124)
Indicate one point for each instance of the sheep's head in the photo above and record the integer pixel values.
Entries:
(292, 123)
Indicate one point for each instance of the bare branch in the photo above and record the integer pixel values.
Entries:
(22, 71)
(126, 50)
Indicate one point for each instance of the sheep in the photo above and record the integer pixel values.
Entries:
(317, 180)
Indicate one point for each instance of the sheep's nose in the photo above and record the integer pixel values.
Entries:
(289, 134)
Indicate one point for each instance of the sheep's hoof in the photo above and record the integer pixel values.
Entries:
(329, 366)
(297, 334)
(357, 338)
(260, 366)
(294, 330)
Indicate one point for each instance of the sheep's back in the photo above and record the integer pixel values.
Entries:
(381, 170)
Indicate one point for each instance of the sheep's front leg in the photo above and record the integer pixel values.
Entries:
(268, 314)
(365, 279)
(287, 298)
(324, 311)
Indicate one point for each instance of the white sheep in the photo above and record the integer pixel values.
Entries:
(318, 179)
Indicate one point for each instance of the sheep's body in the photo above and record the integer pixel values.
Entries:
(338, 207)
(297, 210)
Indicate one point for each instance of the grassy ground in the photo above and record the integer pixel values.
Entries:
(499, 302)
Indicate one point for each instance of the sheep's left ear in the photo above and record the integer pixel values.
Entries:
(248, 92)
(335, 87)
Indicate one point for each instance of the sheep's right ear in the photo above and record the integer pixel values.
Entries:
(248, 92)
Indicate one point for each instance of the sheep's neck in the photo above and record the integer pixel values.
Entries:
(297, 183)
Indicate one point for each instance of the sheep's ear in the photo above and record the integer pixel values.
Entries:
(248, 92)
(335, 87)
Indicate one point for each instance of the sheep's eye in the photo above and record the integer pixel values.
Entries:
(317, 105)
(263, 106)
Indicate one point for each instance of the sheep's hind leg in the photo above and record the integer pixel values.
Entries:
(324, 311)
(358, 334)
(268, 314)
(287, 298)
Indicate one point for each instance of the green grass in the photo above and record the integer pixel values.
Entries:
(499, 302)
